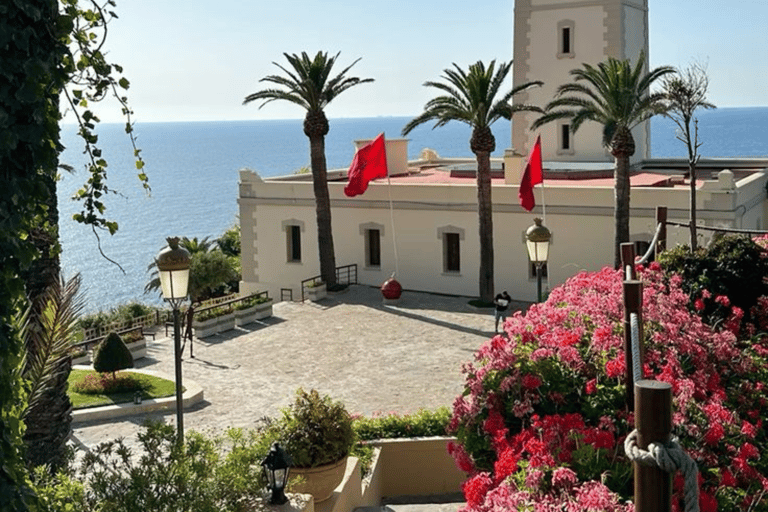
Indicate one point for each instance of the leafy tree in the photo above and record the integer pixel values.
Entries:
(474, 97)
(229, 242)
(309, 85)
(618, 96)
(686, 92)
(112, 355)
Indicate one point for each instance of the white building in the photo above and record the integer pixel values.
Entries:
(428, 215)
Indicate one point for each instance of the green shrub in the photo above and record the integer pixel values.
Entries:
(112, 355)
(420, 424)
(207, 474)
(732, 266)
(315, 430)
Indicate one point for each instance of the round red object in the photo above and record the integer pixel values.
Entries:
(391, 289)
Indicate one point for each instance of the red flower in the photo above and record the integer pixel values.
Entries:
(531, 381)
(714, 434)
(698, 304)
(591, 386)
(476, 488)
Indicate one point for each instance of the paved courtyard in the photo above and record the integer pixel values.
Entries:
(372, 357)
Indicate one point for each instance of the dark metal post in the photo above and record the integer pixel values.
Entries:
(179, 392)
(633, 303)
(538, 279)
(653, 420)
(661, 218)
(628, 260)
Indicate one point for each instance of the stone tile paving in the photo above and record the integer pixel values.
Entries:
(373, 357)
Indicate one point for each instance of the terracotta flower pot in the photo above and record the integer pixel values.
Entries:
(320, 481)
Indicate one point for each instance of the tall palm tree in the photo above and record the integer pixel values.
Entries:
(617, 96)
(309, 85)
(474, 97)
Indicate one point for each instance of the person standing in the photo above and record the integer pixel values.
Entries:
(501, 301)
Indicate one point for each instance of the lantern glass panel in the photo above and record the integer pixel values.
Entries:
(174, 283)
(538, 251)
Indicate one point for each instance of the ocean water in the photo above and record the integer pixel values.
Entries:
(193, 172)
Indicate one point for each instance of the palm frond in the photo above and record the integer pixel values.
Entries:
(51, 338)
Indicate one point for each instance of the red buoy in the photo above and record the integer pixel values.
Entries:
(391, 289)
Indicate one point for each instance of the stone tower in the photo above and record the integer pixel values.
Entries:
(553, 37)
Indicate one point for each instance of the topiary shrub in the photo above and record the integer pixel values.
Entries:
(112, 355)
(729, 272)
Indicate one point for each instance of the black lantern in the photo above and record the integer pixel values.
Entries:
(276, 466)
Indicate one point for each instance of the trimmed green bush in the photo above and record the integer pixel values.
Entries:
(112, 355)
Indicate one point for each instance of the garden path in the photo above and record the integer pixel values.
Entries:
(372, 357)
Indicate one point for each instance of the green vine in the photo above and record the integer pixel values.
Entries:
(49, 49)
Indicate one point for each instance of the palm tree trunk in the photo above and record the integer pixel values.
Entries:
(485, 218)
(323, 209)
(621, 206)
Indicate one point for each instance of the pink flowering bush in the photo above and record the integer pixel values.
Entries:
(542, 421)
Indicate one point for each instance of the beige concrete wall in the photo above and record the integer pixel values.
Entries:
(580, 218)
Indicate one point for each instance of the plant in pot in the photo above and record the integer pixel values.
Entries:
(317, 433)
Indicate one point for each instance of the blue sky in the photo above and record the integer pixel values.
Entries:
(196, 60)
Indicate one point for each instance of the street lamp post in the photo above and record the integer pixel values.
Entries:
(173, 266)
(537, 240)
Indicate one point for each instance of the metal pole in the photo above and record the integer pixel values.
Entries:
(633, 301)
(661, 218)
(538, 279)
(179, 392)
(653, 420)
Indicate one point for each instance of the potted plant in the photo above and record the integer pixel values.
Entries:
(317, 433)
(206, 323)
(316, 290)
(252, 309)
(226, 318)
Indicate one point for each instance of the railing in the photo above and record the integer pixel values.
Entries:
(148, 320)
(90, 343)
(226, 301)
(659, 243)
(346, 274)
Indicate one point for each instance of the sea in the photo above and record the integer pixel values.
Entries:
(193, 173)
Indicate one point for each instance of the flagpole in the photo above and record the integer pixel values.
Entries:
(392, 220)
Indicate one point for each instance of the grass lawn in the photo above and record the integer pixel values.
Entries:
(154, 387)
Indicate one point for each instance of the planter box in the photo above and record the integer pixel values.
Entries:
(205, 328)
(84, 359)
(257, 312)
(226, 322)
(316, 293)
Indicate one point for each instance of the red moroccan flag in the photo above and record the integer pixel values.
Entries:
(532, 176)
(370, 162)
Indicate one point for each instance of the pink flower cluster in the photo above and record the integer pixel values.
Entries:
(543, 418)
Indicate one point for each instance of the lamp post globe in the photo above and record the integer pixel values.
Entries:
(537, 239)
(173, 264)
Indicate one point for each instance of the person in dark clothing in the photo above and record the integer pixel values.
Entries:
(501, 301)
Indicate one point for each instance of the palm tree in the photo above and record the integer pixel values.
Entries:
(474, 98)
(617, 96)
(309, 85)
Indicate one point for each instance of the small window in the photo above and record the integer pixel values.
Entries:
(293, 235)
(565, 137)
(372, 248)
(565, 44)
(566, 40)
(451, 252)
